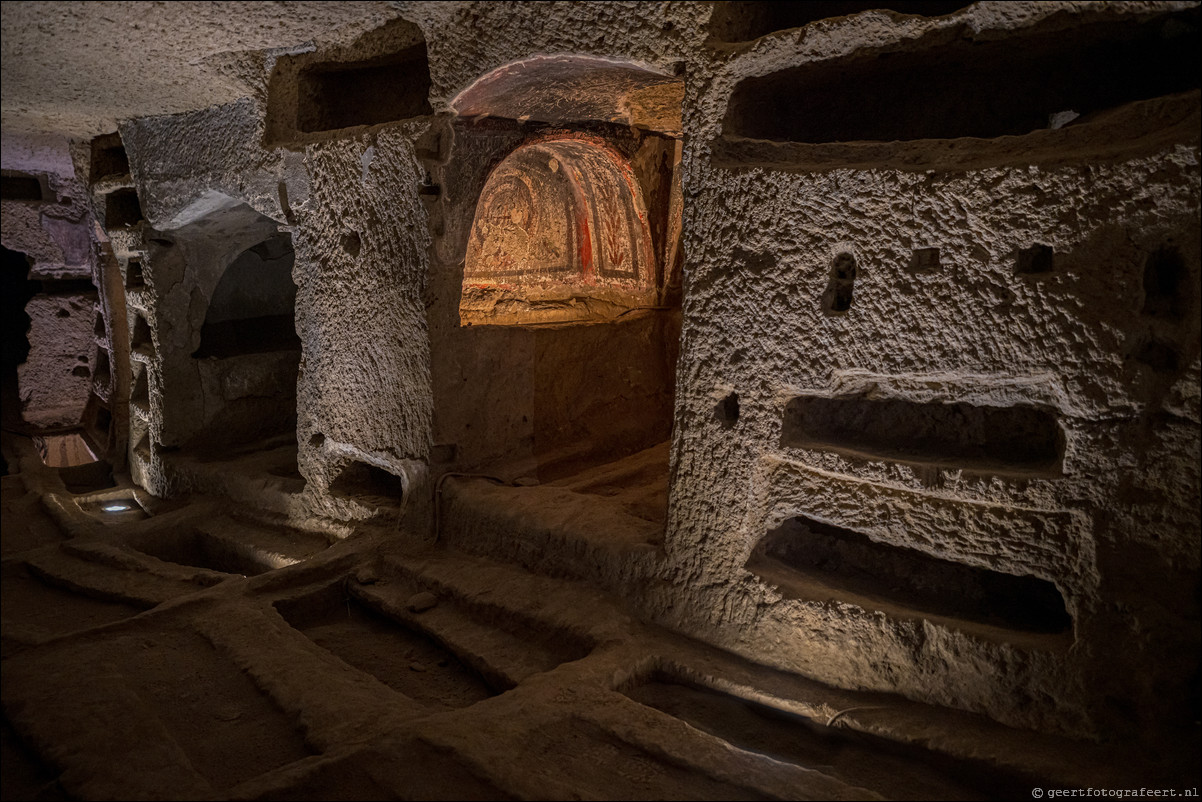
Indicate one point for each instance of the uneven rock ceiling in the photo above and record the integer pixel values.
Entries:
(77, 68)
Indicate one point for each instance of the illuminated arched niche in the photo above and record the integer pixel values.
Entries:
(560, 234)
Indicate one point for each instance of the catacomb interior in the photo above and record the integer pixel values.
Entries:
(666, 400)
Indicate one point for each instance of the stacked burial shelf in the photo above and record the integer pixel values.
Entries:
(123, 303)
(926, 499)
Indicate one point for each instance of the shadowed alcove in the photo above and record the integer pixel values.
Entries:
(561, 202)
(229, 366)
(251, 311)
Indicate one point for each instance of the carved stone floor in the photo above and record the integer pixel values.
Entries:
(201, 653)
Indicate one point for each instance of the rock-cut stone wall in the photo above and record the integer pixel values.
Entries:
(915, 337)
(936, 422)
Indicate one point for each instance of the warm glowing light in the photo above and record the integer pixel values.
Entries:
(559, 234)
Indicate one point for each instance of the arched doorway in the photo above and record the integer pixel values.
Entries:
(221, 351)
(553, 300)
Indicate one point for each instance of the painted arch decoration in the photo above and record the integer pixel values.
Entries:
(560, 234)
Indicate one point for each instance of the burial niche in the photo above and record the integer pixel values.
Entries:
(559, 235)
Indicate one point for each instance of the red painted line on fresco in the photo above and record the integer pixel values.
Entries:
(581, 211)
(586, 243)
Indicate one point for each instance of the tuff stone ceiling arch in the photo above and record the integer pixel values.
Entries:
(561, 89)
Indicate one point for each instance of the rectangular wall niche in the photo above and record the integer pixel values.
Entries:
(334, 96)
(369, 485)
(122, 209)
(135, 278)
(108, 158)
(968, 87)
(1017, 439)
(847, 562)
(17, 186)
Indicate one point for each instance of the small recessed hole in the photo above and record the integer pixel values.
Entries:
(1034, 260)
(141, 391)
(103, 372)
(1166, 285)
(925, 260)
(134, 278)
(102, 420)
(727, 410)
(141, 339)
(837, 297)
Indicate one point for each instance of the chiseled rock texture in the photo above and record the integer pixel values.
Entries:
(1056, 270)
(56, 378)
(53, 230)
(1115, 529)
